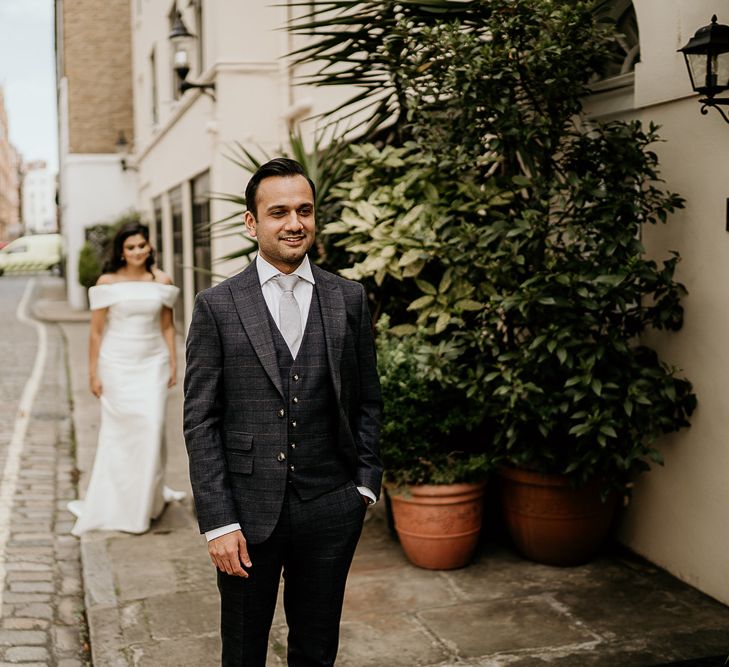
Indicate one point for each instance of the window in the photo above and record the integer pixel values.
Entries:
(626, 52)
(175, 196)
(153, 80)
(200, 192)
(158, 244)
(197, 4)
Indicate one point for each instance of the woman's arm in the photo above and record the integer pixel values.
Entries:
(167, 325)
(98, 322)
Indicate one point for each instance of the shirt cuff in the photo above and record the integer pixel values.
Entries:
(367, 493)
(223, 530)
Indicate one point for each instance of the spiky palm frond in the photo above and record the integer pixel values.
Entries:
(357, 44)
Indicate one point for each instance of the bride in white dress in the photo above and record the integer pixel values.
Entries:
(132, 364)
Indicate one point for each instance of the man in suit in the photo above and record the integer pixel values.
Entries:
(282, 411)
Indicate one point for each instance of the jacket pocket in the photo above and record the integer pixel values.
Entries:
(239, 463)
(238, 440)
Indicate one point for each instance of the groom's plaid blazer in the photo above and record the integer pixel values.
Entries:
(233, 395)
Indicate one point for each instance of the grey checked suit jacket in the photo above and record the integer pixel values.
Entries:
(233, 398)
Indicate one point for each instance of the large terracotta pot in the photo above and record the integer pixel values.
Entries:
(549, 521)
(438, 524)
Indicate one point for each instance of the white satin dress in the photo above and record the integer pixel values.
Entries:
(126, 490)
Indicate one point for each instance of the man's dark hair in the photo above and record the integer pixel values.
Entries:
(280, 166)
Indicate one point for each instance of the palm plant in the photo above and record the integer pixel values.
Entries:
(361, 44)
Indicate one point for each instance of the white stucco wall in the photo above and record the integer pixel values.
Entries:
(94, 190)
(678, 515)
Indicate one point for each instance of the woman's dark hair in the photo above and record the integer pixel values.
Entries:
(116, 260)
(280, 166)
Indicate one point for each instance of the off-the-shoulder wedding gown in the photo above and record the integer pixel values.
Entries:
(126, 490)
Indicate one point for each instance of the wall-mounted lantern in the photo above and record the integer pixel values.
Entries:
(707, 60)
(122, 150)
(183, 43)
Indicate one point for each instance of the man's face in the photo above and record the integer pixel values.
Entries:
(285, 226)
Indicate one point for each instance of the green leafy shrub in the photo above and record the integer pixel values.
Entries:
(429, 424)
(89, 266)
(510, 227)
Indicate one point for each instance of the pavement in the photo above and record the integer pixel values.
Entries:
(41, 597)
(151, 599)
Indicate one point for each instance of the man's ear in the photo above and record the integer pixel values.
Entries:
(250, 223)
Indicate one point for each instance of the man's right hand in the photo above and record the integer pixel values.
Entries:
(229, 553)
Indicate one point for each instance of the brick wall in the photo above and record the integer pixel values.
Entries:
(97, 59)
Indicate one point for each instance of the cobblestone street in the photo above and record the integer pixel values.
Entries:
(42, 599)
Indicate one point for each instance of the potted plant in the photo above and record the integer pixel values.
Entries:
(578, 398)
(510, 226)
(435, 483)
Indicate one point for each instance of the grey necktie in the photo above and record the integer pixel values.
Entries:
(289, 313)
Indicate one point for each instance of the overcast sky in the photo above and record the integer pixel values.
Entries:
(27, 74)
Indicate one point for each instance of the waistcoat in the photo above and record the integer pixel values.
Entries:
(315, 465)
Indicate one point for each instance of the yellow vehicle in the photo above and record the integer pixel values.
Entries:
(38, 252)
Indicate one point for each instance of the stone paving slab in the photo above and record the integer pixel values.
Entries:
(526, 623)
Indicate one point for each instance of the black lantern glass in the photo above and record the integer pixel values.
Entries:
(183, 44)
(707, 59)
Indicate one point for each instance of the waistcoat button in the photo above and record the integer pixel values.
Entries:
(293, 424)
(281, 456)
(293, 445)
(295, 399)
(295, 377)
(292, 468)
(281, 412)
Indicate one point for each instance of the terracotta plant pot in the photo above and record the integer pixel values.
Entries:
(438, 524)
(549, 521)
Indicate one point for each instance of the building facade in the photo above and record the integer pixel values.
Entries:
(94, 75)
(184, 140)
(39, 199)
(9, 180)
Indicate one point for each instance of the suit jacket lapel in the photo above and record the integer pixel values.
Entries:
(253, 314)
(334, 318)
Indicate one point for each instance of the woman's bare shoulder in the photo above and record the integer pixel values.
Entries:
(106, 279)
(162, 277)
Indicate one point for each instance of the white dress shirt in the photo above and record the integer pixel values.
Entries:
(272, 292)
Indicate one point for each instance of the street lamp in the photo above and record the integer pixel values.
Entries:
(183, 44)
(707, 60)
(122, 150)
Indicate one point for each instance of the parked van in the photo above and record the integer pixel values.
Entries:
(38, 252)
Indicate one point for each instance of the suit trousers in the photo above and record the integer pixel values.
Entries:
(313, 543)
